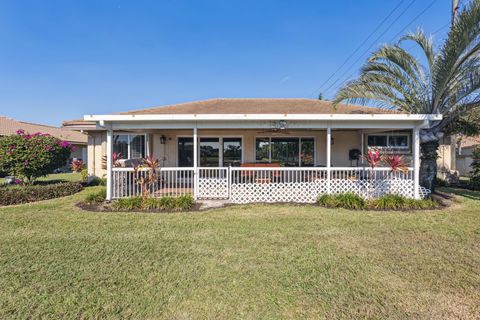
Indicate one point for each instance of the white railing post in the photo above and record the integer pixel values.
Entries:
(109, 163)
(416, 163)
(229, 177)
(195, 162)
(329, 162)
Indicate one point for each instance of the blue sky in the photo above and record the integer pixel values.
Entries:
(62, 59)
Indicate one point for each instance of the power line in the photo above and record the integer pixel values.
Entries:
(361, 44)
(378, 38)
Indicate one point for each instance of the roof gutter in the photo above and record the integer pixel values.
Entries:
(226, 117)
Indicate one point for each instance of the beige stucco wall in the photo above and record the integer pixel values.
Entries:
(446, 160)
(343, 141)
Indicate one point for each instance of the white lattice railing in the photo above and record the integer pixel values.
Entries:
(267, 184)
(272, 184)
(169, 182)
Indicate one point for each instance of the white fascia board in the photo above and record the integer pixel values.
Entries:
(230, 117)
(144, 125)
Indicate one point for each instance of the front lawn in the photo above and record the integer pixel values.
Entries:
(56, 177)
(251, 261)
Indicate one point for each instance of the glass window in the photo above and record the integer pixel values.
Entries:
(262, 147)
(209, 152)
(285, 151)
(137, 146)
(398, 141)
(232, 152)
(185, 152)
(120, 146)
(307, 155)
(289, 152)
(377, 141)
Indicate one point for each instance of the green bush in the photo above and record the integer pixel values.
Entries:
(164, 203)
(342, 200)
(10, 195)
(475, 177)
(96, 197)
(398, 202)
(386, 202)
(84, 173)
(96, 181)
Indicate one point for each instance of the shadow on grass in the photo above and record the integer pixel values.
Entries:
(469, 194)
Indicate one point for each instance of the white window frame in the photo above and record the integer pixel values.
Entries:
(299, 147)
(388, 147)
(220, 139)
(129, 140)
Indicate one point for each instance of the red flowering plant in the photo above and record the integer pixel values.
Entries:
(30, 156)
(373, 158)
(146, 175)
(77, 165)
(396, 163)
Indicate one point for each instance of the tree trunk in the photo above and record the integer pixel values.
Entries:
(428, 164)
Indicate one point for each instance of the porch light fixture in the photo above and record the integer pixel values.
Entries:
(163, 139)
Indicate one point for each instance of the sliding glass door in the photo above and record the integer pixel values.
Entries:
(212, 152)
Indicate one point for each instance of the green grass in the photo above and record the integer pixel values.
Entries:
(56, 177)
(251, 261)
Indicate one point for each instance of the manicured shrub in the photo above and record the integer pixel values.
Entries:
(130, 203)
(386, 202)
(96, 181)
(163, 204)
(10, 195)
(398, 202)
(389, 202)
(342, 200)
(30, 156)
(96, 197)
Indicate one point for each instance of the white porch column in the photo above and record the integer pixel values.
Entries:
(329, 157)
(109, 163)
(362, 158)
(195, 162)
(416, 162)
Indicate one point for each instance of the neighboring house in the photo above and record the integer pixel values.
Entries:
(254, 150)
(10, 126)
(464, 158)
(455, 155)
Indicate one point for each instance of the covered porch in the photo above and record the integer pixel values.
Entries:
(247, 158)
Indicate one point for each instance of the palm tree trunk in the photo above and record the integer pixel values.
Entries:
(428, 164)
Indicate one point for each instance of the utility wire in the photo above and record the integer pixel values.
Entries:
(378, 38)
(360, 46)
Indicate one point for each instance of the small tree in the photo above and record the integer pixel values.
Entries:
(30, 156)
(475, 178)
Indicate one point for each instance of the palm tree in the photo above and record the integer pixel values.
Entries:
(448, 83)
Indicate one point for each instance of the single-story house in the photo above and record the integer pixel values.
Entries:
(10, 126)
(255, 150)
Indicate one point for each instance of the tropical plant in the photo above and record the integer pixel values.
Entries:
(116, 157)
(30, 156)
(146, 175)
(447, 84)
(77, 165)
(395, 162)
(374, 158)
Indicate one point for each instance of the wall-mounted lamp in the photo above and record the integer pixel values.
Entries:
(163, 139)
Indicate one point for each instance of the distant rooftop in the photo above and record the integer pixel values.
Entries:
(10, 126)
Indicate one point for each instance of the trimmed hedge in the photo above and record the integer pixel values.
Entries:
(181, 203)
(10, 195)
(386, 202)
